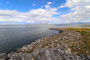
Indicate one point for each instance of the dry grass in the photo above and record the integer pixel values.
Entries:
(85, 45)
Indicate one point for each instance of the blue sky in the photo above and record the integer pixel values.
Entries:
(44, 11)
(26, 5)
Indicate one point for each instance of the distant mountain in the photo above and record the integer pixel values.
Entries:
(81, 23)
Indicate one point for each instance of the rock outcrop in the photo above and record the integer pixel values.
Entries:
(50, 54)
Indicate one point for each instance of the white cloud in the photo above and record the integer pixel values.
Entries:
(81, 10)
(62, 6)
(49, 3)
(47, 6)
(88, 6)
(33, 16)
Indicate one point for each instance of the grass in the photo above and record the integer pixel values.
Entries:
(85, 45)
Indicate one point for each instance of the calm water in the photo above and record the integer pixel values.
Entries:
(15, 36)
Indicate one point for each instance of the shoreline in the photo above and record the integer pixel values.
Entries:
(62, 41)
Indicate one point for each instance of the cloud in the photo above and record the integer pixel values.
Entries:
(80, 8)
(49, 3)
(62, 6)
(79, 12)
(39, 15)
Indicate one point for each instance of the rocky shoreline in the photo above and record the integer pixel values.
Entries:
(57, 47)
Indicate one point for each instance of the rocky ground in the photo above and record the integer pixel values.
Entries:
(62, 46)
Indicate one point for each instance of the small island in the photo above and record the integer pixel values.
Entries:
(68, 44)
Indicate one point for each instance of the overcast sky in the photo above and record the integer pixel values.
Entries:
(44, 11)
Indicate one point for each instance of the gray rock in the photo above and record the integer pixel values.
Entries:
(3, 56)
(88, 57)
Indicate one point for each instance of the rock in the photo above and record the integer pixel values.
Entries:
(68, 51)
(65, 46)
(47, 54)
(56, 41)
(2, 59)
(87, 52)
(3, 56)
(61, 52)
(32, 59)
(58, 45)
(55, 54)
(88, 57)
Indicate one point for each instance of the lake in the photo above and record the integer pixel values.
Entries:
(16, 36)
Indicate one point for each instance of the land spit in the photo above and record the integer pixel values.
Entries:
(63, 46)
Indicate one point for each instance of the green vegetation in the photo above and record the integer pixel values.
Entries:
(85, 40)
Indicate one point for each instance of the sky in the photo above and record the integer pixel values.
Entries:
(44, 11)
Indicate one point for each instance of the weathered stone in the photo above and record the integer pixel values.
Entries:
(88, 57)
(3, 56)
(68, 51)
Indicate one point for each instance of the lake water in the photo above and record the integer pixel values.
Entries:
(15, 36)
